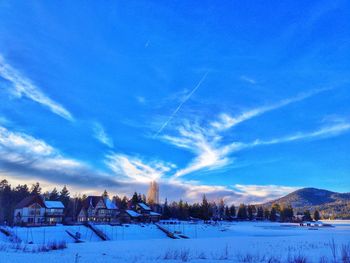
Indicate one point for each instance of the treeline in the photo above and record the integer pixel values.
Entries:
(11, 196)
(219, 211)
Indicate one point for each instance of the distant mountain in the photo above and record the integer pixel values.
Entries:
(327, 202)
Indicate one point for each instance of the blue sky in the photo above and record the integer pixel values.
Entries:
(241, 100)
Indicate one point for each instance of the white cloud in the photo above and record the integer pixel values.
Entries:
(324, 132)
(24, 87)
(226, 121)
(247, 79)
(263, 193)
(25, 156)
(204, 144)
(211, 153)
(141, 99)
(137, 170)
(101, 135)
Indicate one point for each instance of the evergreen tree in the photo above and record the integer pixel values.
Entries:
(286, 213)
(134, 199)
(221, 209)
(166, 210)
(232, 211)
(35, 189)
(267, 214)
(260, 213)
(205, 213)
(227, 212)
(124, 203)
(307, 216)
(54, 196)
(273, 214)
(64, 196)
(105, 194)
(316, 215)
(251, 210)
(242, 212)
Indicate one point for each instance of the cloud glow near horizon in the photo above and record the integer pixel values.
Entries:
(211, 114)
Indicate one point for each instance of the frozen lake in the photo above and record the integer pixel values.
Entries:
(233, 242)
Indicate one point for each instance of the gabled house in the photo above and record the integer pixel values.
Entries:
(147, 213)
(97, 209)
(128, 216)
(35, 210)
(53, 212)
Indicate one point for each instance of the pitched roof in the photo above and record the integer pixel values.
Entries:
(29, 201)
(144, 206)
(54, 204)
(93, 200)
(154, 214)
(109, 204)
(132, 213)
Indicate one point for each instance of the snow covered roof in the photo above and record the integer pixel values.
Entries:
(53, 204)
(132, 213)
(110, 204)
(144, 206)
(154, 214)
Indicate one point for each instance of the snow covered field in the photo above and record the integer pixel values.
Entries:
(232, 242)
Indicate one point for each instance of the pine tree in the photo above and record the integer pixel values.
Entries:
(54, 196)
(232, 211)
(307, 216)
(64, 196)
(251, 210)
(124, 203)
(134, 199)
(205, 215)
(242, 212)
(267, 214)
(316, 215)
(166, 210)
(35, 189)
(273, 214)
(260, 213)
(227, 212)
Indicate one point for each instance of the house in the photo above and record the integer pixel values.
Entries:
(97, 209)
(53, 212)
(129, 216)
(35, 210)
(147, 214)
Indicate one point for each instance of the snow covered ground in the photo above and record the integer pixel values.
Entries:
(232, 242)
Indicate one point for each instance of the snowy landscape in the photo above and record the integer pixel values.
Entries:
(219, 242)
(174, 131)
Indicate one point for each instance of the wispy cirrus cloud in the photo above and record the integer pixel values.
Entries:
(210, 153)
(248, 79)
(206, 140)
(101, 135)
(136, 169)
(187, 97)
(24, 157)
(22, 86)
(323, 132)
(226, 121)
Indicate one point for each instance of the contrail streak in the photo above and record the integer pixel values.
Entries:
(180, 105)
